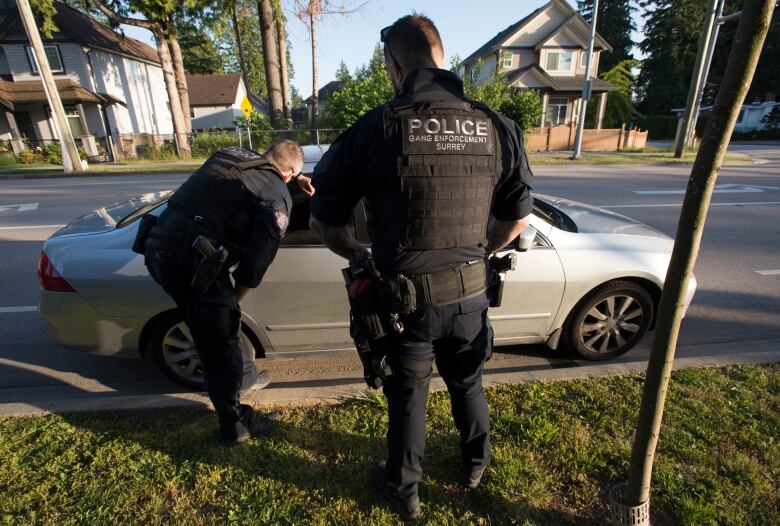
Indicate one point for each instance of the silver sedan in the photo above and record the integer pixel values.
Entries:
(586, 279)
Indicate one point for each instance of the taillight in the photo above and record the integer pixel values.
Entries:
(49, 277)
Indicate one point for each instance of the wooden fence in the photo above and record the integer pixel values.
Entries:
(561, 138)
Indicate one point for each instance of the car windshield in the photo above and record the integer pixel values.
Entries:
(553, 215)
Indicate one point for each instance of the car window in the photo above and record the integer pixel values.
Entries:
(554, 216)
(298, 231)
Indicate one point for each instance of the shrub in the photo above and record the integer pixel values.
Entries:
(7, 159)
(151, 152)
(31, 156)
(206, 143)
(52, 153)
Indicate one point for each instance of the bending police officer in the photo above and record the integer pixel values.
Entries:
(234, 210)
(433, 166)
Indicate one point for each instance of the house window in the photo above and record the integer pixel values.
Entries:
(505, 58)
(53, 56)
(584, 57)
(741, 116)
(72, 114)
(558, 61)
(556, 111)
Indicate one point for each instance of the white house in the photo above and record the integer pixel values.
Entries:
(749, 118)
(216, 100)
(111, 85)
(546, 51)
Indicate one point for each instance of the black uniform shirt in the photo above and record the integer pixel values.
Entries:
(362, 163)
(269, 197)
(250, 214)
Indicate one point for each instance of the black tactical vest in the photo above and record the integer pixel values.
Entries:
(448, 168)
(225, 165)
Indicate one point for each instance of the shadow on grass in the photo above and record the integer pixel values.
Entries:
(317, 460)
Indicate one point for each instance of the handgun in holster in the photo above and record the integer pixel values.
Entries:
(376, 305)
(497, 269)
(208, 261)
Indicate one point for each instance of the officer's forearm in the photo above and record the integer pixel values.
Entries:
(241, 292)
(502, 232)
(338, 239)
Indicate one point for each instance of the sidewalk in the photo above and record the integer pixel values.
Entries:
(306, 388)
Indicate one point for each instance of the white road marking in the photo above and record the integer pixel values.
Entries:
(680, 204)
(95, 183)
(727, 188)
(13, 310)
(29, 227)
(769, 272)
(24, 207)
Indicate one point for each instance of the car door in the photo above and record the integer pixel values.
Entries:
(532, 292)
(301, 304)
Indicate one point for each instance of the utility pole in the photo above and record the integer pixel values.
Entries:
(586, 86)
(698, 73)
(70, 154)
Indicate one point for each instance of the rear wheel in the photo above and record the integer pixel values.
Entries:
(175, 353)
(610, 321)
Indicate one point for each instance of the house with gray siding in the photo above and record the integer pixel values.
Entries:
(546, 51)
(216, 101)
(111, 85)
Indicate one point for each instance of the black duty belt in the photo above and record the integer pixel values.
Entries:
(451, 285)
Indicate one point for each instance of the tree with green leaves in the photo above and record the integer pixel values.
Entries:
(199, 53)
(620, 107)
(368, 88)
(522, 106)
(615, 23)
(672, 29)
(239, 54)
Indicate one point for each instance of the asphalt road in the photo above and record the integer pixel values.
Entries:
(734, 316)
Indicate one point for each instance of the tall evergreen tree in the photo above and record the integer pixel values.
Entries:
(615, 24)
(199, 53)
(672, 29)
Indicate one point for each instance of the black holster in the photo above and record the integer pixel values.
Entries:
(498, 267)
(207, 263)
(145, 226)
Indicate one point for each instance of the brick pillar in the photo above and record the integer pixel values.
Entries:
(17, 143)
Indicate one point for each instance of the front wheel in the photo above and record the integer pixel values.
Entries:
(610, 321)
(174, 351)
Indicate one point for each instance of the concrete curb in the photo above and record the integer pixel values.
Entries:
(348, 384)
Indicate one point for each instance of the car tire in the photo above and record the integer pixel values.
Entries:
(172, 347)
(609, 321)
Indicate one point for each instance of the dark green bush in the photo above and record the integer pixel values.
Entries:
(206, 143)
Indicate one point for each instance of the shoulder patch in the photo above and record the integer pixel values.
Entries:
(281, 219)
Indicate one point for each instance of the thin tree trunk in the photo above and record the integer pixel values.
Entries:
(270, 58)
(178, 70)
(239, 45)
(752, 30)
(164, 54)
(282, 39)
(177, 115)
(315, 111)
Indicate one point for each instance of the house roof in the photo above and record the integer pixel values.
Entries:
(75, 25)
(571, 23)
(213, 90)
(579, 29)
(327, 90)
(31, 91)
(573, 83)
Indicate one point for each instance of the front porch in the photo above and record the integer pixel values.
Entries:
(26, 120)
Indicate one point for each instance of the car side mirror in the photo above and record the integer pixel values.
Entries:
(526, 239)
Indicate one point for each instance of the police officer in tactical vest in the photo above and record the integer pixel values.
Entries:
(433, 167)
(233, 210)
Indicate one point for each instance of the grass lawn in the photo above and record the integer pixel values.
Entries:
(558, 447)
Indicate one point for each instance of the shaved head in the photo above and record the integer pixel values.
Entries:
(413, 42)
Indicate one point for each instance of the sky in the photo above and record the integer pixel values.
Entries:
(464, 26)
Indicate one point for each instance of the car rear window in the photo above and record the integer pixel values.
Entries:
(129, 211)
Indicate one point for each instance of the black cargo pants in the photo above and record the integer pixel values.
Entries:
(459, 338)
(214, 320)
